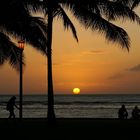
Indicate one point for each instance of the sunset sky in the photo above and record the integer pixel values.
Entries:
(93, 64)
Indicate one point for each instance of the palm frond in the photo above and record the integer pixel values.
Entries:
(96, 22)
(14, 58)
(125, 2)
(135, 4)
(9, 52)
(36, 6)
(116, 10)
(32, 30)
(40, 27)
(130, 3)
(66, 21)
(113, 10)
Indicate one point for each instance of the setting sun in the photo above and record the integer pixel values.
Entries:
(76, 90)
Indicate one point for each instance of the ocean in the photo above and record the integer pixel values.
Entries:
(73, 106)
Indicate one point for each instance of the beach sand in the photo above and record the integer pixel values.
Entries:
(71, 129)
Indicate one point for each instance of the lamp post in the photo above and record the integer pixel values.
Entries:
(21, 46)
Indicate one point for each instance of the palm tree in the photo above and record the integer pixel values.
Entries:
(96, 15)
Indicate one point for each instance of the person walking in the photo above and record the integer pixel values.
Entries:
(10, 106)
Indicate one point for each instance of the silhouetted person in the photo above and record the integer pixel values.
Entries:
(136, 113)
(10, 106)
(122, 113)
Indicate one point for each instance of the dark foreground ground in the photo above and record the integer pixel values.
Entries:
(70, 129)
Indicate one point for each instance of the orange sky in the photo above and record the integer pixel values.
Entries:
(93, 64)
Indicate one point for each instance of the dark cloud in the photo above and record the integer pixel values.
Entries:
(97, 51)
(116, 76)
(135, 68)
(94, 52)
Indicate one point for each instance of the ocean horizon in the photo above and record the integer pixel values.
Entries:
(73, 106)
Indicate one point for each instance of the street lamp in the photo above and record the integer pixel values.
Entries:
(21, 46)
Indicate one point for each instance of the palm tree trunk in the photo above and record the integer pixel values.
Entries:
(51, 114)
